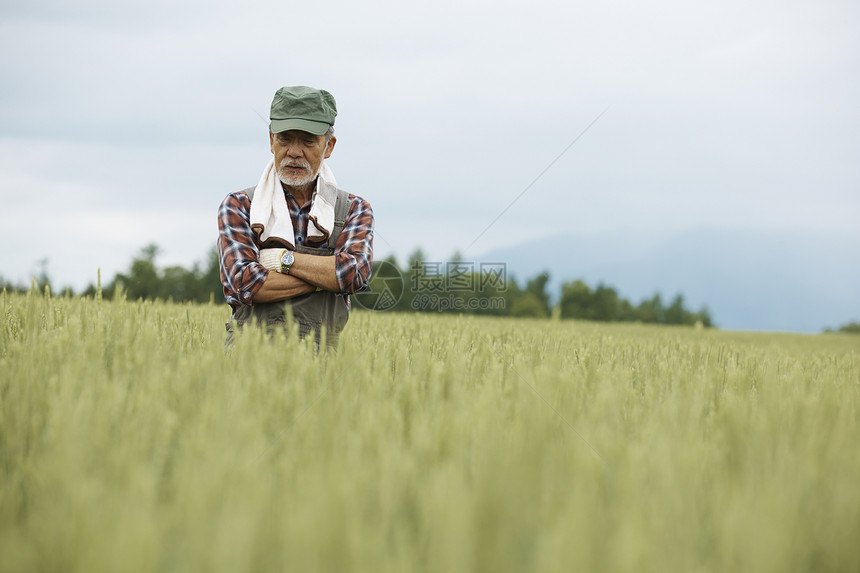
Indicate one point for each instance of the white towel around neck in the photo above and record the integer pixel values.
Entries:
(270, 216)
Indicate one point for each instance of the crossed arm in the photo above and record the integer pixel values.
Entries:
(307, 273)
(246, 281)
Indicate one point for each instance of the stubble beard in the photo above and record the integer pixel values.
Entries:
(297, 180)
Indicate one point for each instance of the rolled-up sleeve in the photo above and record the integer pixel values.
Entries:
(354, 249)
(241, 275)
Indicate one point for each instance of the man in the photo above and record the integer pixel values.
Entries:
(295, 243)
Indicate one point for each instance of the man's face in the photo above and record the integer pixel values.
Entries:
(299, 155)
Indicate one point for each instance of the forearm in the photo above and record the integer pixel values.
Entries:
(318, 271)
(278, 286)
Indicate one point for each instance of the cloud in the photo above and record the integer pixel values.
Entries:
(739, 113)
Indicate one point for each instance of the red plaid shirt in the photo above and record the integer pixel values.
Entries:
(241, 274)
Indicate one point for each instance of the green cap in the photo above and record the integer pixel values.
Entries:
(304, 108)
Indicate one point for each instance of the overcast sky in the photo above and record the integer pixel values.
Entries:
(126, 123)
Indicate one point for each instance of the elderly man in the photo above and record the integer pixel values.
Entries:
(295, 243)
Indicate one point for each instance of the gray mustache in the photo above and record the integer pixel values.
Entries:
(302, 164)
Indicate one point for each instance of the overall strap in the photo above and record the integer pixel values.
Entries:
(341, 209)
(249, 192)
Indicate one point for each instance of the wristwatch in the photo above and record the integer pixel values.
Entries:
(286, 261)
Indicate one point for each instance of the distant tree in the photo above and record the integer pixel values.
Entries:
(10, 286)
(537, 288)
(676, 314)
(38, 281)
(576, 300)
(651, 310)
(417, 257)
(209, 279)
(528, 305)
(605, 304)
(851, 328)
(626, 311)
(142, 280)
(178, 284)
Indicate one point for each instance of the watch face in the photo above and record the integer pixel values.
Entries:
(286, 261)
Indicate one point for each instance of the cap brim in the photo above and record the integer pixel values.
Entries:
(314, 127)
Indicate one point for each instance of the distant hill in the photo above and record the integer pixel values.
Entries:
(801, 282)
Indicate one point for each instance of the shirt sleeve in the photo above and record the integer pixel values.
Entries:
(241, 275)
(354, 249)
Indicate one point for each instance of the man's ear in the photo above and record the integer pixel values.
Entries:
(330, 147)
(271, 142)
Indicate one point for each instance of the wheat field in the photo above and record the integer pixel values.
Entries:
(129, 441)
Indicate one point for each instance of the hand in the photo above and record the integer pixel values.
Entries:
(271, 258)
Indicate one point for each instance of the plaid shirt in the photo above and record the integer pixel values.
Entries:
(241, 274)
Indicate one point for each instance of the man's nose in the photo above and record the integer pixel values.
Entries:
(294, 151)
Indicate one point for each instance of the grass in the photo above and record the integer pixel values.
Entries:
(129, 441)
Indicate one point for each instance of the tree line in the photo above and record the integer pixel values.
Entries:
(144, 280)
(849, 328)
(458, 286)
(454, 286)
